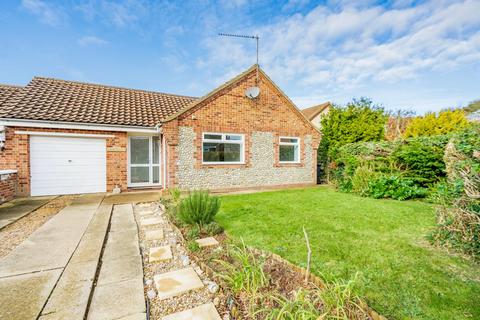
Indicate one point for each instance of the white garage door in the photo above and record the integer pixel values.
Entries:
(60, 165)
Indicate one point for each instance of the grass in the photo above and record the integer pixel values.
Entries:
(402, 277)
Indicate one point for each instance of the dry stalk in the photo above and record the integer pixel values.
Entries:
(309, 256)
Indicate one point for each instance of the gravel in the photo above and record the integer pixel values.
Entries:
(15, 233)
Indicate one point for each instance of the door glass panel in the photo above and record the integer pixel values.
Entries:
(139, 151)
(155, 150)
(139, 174)
(156, 174)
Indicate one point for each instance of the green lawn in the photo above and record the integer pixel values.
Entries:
(382, 240)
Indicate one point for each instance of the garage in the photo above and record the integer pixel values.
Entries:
(67, 165)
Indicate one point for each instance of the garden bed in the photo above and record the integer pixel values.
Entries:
(260, 285)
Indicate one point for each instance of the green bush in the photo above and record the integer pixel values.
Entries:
(422, 159)
(198, 208)
(361, 179)
(213, 228)
(395, 187)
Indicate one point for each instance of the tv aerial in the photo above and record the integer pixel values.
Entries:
(252, 92)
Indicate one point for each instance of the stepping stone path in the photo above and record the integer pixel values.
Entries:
(175, 286)
(151, 221)
(154, 234)
(207, 242)
(173, 283)
(205, 311)
(160, 254)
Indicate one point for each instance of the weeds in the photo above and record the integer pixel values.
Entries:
(245, 273)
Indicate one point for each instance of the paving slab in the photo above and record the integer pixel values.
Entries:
(51, 245)
(119, 292)
(133, 197)
(124, 268)
(206, 311)
(159, 254)
(137, 316)
(174, 283)
(13, 210)
(207, 242)
(23, 296)
(154, 234)
(69, 298)
(151, 221)
(117, 300)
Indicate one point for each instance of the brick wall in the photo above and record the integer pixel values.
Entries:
(229, 111)
(16, 156)
(8, 186)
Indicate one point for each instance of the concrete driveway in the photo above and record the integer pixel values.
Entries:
(30, 272)
(76, 265)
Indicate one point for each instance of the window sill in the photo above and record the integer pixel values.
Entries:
(221, 165)
(289, 164)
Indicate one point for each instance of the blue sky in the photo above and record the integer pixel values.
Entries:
(418, 55)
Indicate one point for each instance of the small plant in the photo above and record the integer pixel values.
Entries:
(213, 228)
(335, 300)
(175, 193)
(198, 208)
(193, 233)
(305, 306)
(193, 246)
(245, 273)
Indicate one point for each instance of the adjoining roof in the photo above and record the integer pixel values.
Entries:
(312, 112)
(70, 101)
(8, 91)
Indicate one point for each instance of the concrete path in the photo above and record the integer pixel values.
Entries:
(16, 209)
(119, 291)
(69, 299)
(29, 273)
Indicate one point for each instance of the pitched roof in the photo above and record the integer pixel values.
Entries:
(235, 80)
(312, 112)
(7, 91)
(69, 101)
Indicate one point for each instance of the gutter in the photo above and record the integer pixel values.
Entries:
(77, 126)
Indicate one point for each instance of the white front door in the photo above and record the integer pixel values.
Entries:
(61, 165)
(143, 161)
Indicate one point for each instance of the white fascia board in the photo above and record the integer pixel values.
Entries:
(76, 126)
(64, 134)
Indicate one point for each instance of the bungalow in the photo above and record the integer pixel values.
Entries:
(66, 137)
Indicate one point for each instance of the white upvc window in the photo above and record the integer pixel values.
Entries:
(223, 148)
(289, 150)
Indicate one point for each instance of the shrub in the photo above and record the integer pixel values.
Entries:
(361, 179)
(422, 159)
(431, 124)
(458, 215)
(213, 228)
(198, 208)
(395, 187)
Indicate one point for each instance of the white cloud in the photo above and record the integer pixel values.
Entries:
(91, 40)
(47, 12)
(347, 44)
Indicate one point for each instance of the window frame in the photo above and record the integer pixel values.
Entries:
(148, 165)
(223, 139)
(280, 143)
